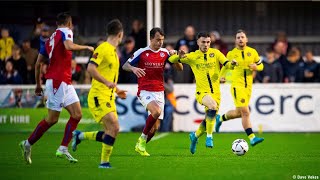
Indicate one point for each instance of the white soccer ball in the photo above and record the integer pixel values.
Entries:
(239, 147)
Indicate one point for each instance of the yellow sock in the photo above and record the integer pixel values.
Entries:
(210, 126)
(251, 136)
(106, 152)
(90, 135)
(200, 131)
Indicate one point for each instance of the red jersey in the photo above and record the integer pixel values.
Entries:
(153, 63)
(59, 58)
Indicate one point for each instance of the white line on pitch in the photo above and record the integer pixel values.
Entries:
(160, 136)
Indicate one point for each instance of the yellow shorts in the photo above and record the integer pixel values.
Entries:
(241, 96)
(215, 97)
(99, 107)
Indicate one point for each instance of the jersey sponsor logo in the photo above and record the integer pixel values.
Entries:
(204, 66)
(162, 54)
(248, 54)
(154, 65)
(95, 55)
(211, 55)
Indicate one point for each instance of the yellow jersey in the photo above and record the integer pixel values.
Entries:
(241, 74)
(205, 67)
(107, 61)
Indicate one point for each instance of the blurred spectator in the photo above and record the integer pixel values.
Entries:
(216, 42)
(139, 34)
(18, 97)
(294, 68)
(10, 75)
(36, 32)
(282, 37)
(76, 72)
(30, 55)
(311, 69)
(126, 53)
(272, 71)
(185, 76)
(6, 44)
(189, 39)
(19, 63)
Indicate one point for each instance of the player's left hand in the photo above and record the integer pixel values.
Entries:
(122, 93)
(253, 66)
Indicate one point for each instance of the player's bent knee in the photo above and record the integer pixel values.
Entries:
(245, 113)
(211, 113)
(77, 116)
(155, 114)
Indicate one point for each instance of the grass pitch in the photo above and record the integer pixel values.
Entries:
(280, 156)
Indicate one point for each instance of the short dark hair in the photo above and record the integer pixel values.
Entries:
(63, 18)
(241, 31)
(114, 27)
(203, 34)
(154, 30)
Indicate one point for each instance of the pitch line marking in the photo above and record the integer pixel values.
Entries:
(160, 136)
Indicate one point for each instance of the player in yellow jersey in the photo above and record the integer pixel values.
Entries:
(248, 61)
(104, 69)
(205, 65)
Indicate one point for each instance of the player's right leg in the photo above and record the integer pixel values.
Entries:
(72, 105)
(245, 115)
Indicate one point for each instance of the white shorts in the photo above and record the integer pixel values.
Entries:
(60, 96)
(145, 97)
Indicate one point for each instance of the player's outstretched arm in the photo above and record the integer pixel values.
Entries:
(92, 70)
(69, 45)
(40, 60)
(137, 71)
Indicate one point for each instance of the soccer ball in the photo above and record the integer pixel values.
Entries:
(239, 147)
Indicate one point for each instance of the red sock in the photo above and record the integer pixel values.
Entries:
(70, 127)
(149, 123)
(42, 127)
(150, 135)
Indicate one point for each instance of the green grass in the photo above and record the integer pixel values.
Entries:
(280, 156)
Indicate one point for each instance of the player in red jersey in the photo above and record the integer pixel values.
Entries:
(58, 50)
(148, 65)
